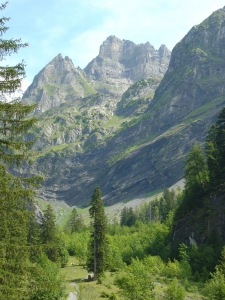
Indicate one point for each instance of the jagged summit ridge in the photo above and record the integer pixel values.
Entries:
(58, 82)
(128, 62)
(120, 63)
(144, 153)
(124, 50)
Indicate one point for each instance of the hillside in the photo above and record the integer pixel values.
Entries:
(132, 143)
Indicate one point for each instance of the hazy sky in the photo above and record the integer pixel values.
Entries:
(77, 28)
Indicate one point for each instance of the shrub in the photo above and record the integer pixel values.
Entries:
(175, 291)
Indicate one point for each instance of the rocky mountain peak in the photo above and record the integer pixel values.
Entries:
(203, 42)
(111, 48)
(120, 63)
(164, 52)
(58, 82)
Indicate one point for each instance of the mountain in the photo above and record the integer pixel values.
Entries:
(118, 65)
(135, 143)
(57, 83)
(121, 63)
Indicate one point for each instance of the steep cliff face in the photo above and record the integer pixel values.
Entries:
(138, 144)
(196, 72)
(121, 63)
(57, 83)
(118, 65)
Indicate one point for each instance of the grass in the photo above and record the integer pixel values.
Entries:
(156, 192)
(88, 90)
(50, 88)
(115, 121)
(74, 278)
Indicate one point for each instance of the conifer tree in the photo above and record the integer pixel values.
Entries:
(49, 234)
(215, 145)
(48, 227)
(33, 237)
(220, 139)
(196, 176)
(212, 154)
(15, 190)
(97, 255)
(75, 222)
(195, 168)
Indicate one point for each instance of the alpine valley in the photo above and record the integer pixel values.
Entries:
(127, 120)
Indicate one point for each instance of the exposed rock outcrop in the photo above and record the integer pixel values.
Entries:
(57, 83)
(121, 63)
(140, 148)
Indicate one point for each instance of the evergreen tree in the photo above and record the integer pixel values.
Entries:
(215, 145)
(48, 227)
(196, 176)
(49, 234)
(75, 222)
(212, 154)
(168, 202)
(220, 140)
(195, 168)
(15, 190)
(33, 237)
(97, 255)
(127, 217)
(123, 216)
(220, 147)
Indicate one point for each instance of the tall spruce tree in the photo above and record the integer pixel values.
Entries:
(15, 191)
(75, 222)
(215, 151)
(97, 254)
(220, 141)
(49, 234)
(196, 176)
(212, 154)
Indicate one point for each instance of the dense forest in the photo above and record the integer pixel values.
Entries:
(138, 256)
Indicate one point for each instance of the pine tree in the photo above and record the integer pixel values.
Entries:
(195, 168)
(168, 198)
(49, 234)
(127, 217)
(212, 154)
(33, 237)
(15, 190)
(97, 255)
(75, 222)
(196, 176)
(220, 139)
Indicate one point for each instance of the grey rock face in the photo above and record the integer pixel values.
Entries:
(121, 63)
(148, 153)
(118, 65)
(57, 83)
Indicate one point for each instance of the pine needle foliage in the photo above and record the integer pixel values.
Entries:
(16, 191)
(97, 255)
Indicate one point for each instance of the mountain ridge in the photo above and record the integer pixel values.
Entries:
(142, 149)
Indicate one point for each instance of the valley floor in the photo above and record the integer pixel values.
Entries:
(75, 276)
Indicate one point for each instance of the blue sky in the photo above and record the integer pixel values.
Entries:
(77, 28)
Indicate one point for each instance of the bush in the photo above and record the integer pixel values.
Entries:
(175, 291)
(104, 294)
(154, 264)
(136, 282)
(215, 287)
(46, 282)
(173, 269)
(112, 296)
